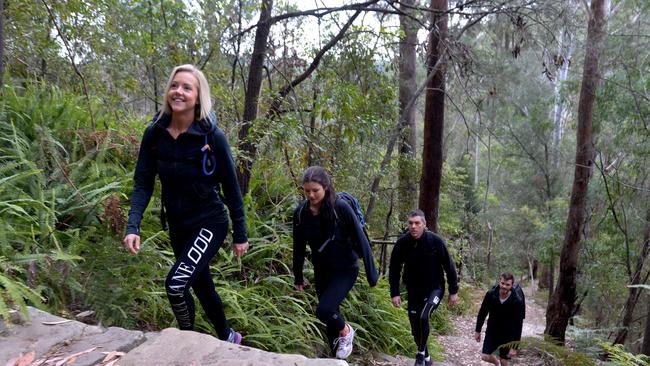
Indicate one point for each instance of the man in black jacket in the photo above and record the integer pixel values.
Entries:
(424, 257)
(506, 306)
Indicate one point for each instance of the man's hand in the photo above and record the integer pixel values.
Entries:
(397, 301)
(453, 299)
(240, 248)
(300, 287)
(132, 243)
(477, 336)
(512, 353)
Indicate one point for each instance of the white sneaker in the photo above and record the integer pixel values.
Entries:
(344, 348)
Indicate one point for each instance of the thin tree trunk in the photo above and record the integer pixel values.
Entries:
(71, 55)
(489, 247)
(247, 147)
(312, 159)
(407, 188)
(2, 45)
(154, 76)
(562, 62)
(562, 302)
(645, 348)
(236, 47)
(434, 118)
(245, 137)
(637, 278)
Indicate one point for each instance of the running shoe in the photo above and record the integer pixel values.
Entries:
(234, 337)
(344, 344)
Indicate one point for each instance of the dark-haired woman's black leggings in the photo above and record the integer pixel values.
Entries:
(193, 250)
(420, 306)
(332, 287)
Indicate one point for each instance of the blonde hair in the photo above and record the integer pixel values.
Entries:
(205, 103)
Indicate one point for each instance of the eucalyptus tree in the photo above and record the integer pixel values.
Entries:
(434, 116)
(2, 44)
(407, 191)
(561, 304)
(247, 141)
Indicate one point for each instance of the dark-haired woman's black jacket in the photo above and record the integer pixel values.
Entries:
(189, 195)
(334, 246)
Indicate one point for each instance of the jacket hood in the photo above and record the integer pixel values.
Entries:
(198, 127)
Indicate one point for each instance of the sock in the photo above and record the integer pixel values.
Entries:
(345, 330)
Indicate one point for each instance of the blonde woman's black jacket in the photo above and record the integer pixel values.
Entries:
(424, 261)
(190, 197)
(333, 246)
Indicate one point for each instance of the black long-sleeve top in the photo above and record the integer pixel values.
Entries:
(333, 246)
(189, 195)
(506, 319)
(424, 261)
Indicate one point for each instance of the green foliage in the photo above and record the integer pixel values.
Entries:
(552, 353)
(616, 353)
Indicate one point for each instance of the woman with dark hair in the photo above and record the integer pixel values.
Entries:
(336, 240)
(191, 156)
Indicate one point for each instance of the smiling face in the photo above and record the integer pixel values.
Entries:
(183, 92)
(314, 192)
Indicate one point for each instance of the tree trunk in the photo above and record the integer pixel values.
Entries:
(637, 278)
(407, 189)
(562, 62)
(247, 148)
(434, 117)
(2, 45)
(489, 248)
(562, 302)
(645, 348)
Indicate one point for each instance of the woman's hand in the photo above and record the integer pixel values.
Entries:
(240, 248)
(132, 243)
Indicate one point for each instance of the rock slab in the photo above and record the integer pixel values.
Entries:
(69, 342)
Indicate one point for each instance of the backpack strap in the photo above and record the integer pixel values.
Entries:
(209, 162)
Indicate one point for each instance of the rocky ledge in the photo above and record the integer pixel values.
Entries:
(47, 340)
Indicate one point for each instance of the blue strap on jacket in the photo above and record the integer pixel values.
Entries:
(209, 160)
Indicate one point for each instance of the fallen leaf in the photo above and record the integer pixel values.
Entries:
(22, 360)
(73, 357)
(84, 314)
(113, 355)
(57, 322)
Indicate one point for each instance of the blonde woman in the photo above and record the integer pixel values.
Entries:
(192, 159)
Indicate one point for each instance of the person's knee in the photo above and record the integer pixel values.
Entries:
(424, 315)
(324, 313)
(173, 287)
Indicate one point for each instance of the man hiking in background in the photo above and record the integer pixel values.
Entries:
(506, 307)
(424, 257)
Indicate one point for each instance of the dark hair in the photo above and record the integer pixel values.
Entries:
(317, 174)
(507, 276)
(417, 212)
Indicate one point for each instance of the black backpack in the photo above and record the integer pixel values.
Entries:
(354, 204)
(516, 290)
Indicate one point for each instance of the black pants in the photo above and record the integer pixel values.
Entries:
(193, 250)
(332, 287)
(420, 306)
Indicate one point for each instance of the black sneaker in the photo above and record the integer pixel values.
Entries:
(419, 359)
